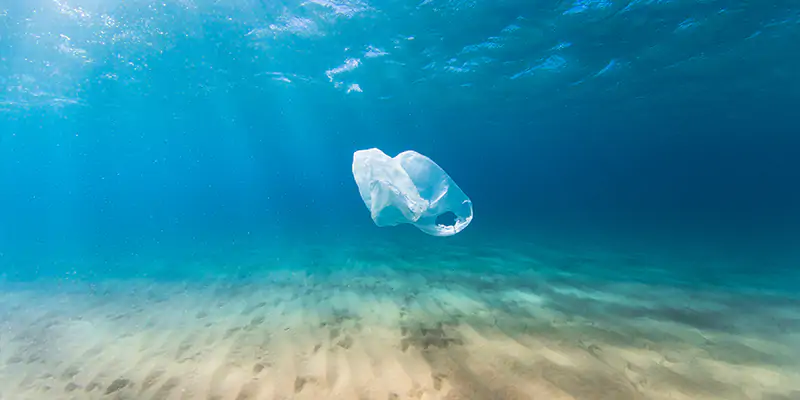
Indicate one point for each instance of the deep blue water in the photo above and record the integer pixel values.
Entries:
(142, 127)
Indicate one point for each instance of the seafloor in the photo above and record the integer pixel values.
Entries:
(373, 319)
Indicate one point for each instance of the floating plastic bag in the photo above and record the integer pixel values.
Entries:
(410, 189)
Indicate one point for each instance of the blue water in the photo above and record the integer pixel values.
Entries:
(603, 143)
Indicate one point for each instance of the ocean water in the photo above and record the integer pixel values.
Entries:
(179, 218)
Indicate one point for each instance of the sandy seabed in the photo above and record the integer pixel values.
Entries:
(361, 326)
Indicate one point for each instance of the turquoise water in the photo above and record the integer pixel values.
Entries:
(179, 218)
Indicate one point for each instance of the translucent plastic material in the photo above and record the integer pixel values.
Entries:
(410, 189)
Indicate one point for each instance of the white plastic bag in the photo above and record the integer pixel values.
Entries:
(410, 189)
